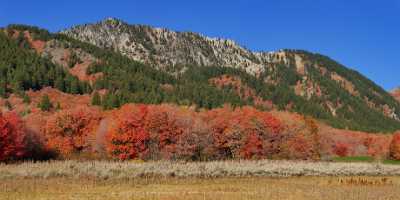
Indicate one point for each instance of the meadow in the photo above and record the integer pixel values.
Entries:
(263, 179)
(292, 188)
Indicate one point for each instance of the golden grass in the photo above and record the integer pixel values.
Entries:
(293, 188)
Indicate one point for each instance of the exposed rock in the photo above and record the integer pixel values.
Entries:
(161, 47)
(346, 84)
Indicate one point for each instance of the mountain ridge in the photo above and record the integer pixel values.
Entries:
(211, 51)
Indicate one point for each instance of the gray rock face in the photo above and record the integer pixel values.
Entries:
(163, 48)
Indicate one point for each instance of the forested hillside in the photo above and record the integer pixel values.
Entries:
(297, 81)
(22, 69)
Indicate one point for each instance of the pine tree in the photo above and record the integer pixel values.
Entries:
(26, 98)
(74, 86)
(96, 99)
(45, 103)
(3, 91)
(59, 84)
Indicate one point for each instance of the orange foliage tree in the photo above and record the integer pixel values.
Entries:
(243, 132)
(12, 137)
(157, 132)
(395, 147)
(165, 131)
(71, 131)
(341, 149)
(171, 132)
(301, 140)
(128, 137)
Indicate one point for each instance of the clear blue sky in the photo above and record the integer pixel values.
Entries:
(361, 34)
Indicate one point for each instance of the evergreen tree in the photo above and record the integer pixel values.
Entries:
(96, 99)
(45, 103)
(26, 99)
(3, 86)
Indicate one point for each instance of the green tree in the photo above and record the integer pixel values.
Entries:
(45, 103)
(96, 99)
(26, 99)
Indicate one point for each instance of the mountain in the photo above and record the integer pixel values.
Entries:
(316, 78)
(141, 64)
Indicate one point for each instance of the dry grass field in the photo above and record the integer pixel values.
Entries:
(293, 188)
(225, 180)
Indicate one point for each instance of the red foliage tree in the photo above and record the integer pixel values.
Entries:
(128, 137)
(71, 131)
(194, 142)
(395, 147)
(162, 123)
(12, 137)
(301, 140)
(341, 149)
(253, 147)
(243, 132)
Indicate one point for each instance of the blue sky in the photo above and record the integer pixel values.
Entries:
(361, 34)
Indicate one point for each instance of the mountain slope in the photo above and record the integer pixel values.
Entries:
(288, 78)
(189, 69)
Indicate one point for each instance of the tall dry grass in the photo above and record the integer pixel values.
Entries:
(130, 170)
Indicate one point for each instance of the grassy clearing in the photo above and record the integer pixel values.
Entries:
(292, 188)
(225, 180)
(366, 159)
(354, 159)
(391, 162)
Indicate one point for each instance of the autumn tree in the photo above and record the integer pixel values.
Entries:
(71, 131)
(300, 139)
(162, 124)
(243, 132)
(195, 139)
(127, 137)
(395, 147)
(12, 137)
(341, 149)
